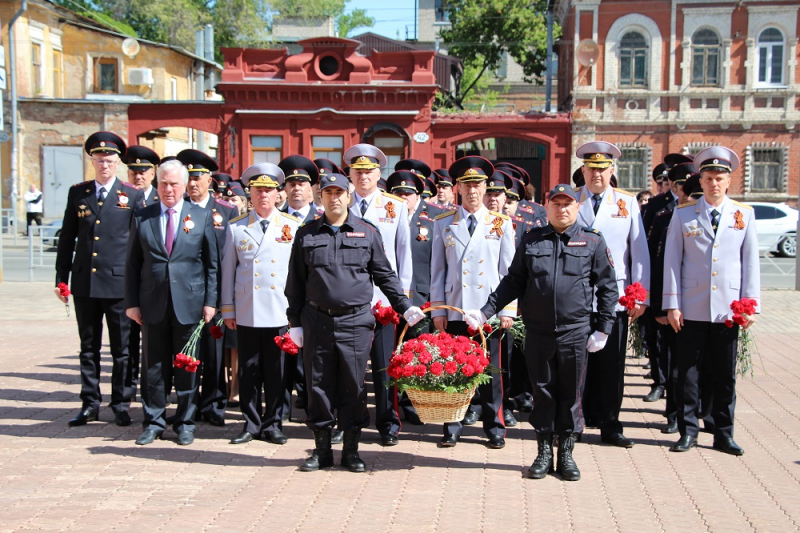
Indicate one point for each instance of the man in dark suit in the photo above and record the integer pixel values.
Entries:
(213, 385)
(170, 285)
(95, 228)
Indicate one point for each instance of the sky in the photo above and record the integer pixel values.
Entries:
(388, 20)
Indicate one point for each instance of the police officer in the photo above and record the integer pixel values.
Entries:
(710, 260)
(334, 261)
(524, 207)
(669, 195)
(554, 269)
(389, 214)
(615, 213)
(472, 249)
(213, 387)
(445, 194)
(255, 264)
(95, 230)
(325, 166)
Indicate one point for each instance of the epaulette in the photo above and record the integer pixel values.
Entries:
(517, 219)
(290, 217)
(591, 230)
(740, 204)
(501, 215)
(445, 214)
(533, 233)
(663, 212)
(690, 203)
(577, 189)
(526, 209)
(237, 219)
(392, 196)
(370, 223)
(81, 184)
(129, 185)
(623, 191)
(225, 204)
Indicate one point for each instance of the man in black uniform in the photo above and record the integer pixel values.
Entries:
(553, 274)
(96, 224)
(329, 287)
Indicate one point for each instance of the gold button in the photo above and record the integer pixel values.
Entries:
(97, 238)
(715, 259)
(256, 287)
(465, 285)
(273, 260)
(466, 272)
(272, 287)
(714, 274)
(481, 274)
(714, 288)
(96, 221)
(465, 260)
(273, 274)
(481, 261)
(256, 274)
(480, 286)
(94, 270)
(94, 254)
(257, 261)
(716, 245)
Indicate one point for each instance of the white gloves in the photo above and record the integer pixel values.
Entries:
(475, 318)
(413, 315)
(597, 341)
(296, 334)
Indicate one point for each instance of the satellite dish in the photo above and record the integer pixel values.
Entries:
(130, 47)
(587, 52)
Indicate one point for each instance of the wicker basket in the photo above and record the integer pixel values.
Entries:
(436, 407)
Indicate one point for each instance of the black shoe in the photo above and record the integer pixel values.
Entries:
(275, 436)
(412, 417)
(655, 394)
(671, 427)
(301, 402)
(726, 444)
(321, 456)
(448, 441)
(243, 437)
(350, 458)
(649, 375)
(337, 436)
(147, 437)
(617, 439)
(565, 465)
(543, 464)
(508, 418)
(389, 439)
(122, 418)
(214, 419)
(496, 442)
(646, 366)
(685, 443)
(85, 416)
(471, 418)
(185, 437)
(285, 416)
(525, 406)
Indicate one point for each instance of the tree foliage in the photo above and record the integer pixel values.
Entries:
(481, 31)
(309, 8)
(348, 22)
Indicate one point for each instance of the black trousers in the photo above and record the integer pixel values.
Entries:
(261, 370)
(653, 338)
(33, 217)
(89, 313)
(134, 349)
(605, 379)
(335, 354)
(160, 343)
(710, 348)
(213, 385)
(294, 379)
(491, 394)
(387, 416)
(668, 358)
(556, 365)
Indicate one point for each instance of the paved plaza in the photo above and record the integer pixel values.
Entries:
(93, 478)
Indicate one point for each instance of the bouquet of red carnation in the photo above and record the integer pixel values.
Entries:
(216, 330)
(187, 358)
(286, 344)
(385, 315)
(747, 343)
(63, 289)
(745, 306)
(635, 293)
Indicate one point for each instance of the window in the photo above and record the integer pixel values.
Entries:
(36, 68)
(173, 83)
(266, 149)
(327, 147)
(57, 77)
(770, 57)
(440, 10)
(105, 75)
(765, 212)
(706, 52)
(393, 147)
(633, 60)
(767, 170)
(632, 169)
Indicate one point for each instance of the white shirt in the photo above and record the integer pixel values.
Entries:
(107, 187)
(477, 214)
(302, 212)
(367, 198)
(175, 219)
(202, 203)
(30, 205)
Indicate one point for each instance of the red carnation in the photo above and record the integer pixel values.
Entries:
(425, 357)
(739, 319)
(63, 289)
(425, 306)
(451, 367)
(460, 358)
(729, 323)
(487, 328)
(420, 370)
(467, 370)
(437, 368)
(216, 332)
(472, 331)
(394, 371)
(407, 371)
(286, 344)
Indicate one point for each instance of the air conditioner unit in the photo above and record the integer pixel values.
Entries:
(140, 76)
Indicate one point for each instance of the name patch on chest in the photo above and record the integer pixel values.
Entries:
(356, 234)
(577, 243)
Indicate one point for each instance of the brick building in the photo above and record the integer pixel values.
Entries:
(683, 75)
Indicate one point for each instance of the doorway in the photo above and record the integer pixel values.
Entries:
(62, 167)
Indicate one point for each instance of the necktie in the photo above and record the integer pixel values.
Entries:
(471, 224)
(596, 200)
(170, 238)
(264, 224)
(714, 220)
(297, 214)
(102, 197)
(363, 207)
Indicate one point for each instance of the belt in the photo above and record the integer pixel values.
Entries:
(343, 311)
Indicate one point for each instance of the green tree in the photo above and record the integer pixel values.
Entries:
(482, 30)
(308, 8)
(348, 22)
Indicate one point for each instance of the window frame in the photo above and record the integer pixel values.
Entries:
(706, 50)
(98, 62)
(37, 68)
(759, 170)
(266, 149)
(334, 153)
(769, 47)
(440, 13)
(643, 177)
(58, 73)
(631, 52)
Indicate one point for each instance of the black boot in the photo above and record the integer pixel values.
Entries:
(350, 458)
(566, 465)
(322, 455)
(543, 464)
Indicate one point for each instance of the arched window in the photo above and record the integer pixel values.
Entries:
(770, 57)
(706, 58)
(633, 60)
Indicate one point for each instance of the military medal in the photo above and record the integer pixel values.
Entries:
(122, 200)
(217, 218)
(423, 234)
(188, 223)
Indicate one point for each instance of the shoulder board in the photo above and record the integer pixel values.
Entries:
(369, 223)
(663, 212)
(517, 219)
(224, 203)
(501, 215)
(740, 204)
(577, 189)
(690, 203)
(623, 191)
(83, 183)
(445, 214)
(591, 230)
(129, 185)
(393, 197)
(526, 208)
(236, 219)
(287, 215)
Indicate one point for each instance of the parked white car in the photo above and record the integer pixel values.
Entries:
(776, 225)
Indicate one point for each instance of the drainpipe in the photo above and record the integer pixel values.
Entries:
(12, 64)
(200, 92)
(548, 88)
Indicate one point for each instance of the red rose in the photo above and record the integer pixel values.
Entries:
(487, 328)
(451, 367)
(420, 370)
(216, 332)
(437, 368)
(729, 323)
(467, 370)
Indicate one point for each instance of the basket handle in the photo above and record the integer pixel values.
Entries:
(436, 308)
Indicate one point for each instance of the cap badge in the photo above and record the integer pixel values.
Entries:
(190, 166)
(333, 178)
(403, 183)
(138, 160)
(716, 161)
(470, 172)
(561, 189)
(102, 143)
(362, 159)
